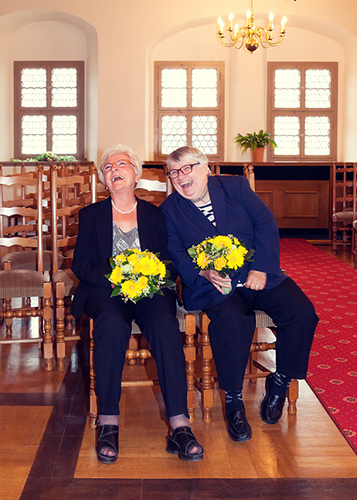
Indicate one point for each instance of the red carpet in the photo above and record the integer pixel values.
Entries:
(332, 287)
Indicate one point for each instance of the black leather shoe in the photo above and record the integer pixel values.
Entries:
(272, 406)
(238, 426)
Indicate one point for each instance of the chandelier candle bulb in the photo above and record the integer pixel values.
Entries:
(271, 18)
(283, 22)
(220, 26)
(230, 19)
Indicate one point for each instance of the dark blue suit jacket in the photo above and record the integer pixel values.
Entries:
(95, 241)
(238, 211)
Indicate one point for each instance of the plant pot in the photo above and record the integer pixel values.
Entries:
(257, 156)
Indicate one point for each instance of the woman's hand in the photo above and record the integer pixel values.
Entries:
(216, 279)
(256, 280)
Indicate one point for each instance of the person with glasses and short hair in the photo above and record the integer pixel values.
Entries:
(204, 206)
(108, 228)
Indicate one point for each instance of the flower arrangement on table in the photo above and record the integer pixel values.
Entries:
(224, 254)
(137, 274)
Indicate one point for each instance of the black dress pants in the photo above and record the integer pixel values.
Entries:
(157, 321)
(232, 327)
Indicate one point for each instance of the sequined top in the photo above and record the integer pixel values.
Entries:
(123, 241)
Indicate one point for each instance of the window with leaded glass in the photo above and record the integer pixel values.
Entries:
(49, 108)
(189, 107)
(302, 110)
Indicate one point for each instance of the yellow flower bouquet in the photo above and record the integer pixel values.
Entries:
(224, 254)
(137, 274)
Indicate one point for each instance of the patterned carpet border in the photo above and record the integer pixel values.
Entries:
(332, 287)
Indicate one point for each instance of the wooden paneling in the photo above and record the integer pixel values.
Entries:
(296, 203)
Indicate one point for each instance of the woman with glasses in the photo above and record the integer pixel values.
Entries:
(205, 206)
(106, 229)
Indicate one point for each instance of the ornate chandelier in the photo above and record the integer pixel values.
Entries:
(250, 36)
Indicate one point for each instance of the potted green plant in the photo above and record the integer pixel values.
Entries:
(256, 142)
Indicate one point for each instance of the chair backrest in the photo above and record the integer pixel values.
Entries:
(65, 207)
(22, 226)
(344, 179)
(248, 172)
(153, 186)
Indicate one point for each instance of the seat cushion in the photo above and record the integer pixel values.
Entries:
(69, 279)
(343, 216)
(21, 283)
(27, 259)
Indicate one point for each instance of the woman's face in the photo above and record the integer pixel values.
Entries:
(119, 174)
(191, 185)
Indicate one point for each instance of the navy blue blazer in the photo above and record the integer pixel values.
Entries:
(238, 211)
(95, 242)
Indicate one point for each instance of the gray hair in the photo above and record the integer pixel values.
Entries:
(186, 153)
(119, 149)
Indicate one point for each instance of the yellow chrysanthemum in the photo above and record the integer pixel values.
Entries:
(131, 288)
(161, 269)
(202, 260)
(134, 261)
(119, 258)
(236, 258)
(146, 266)
(222, 241)
(220, 263)
(143, 281)
(116, 276)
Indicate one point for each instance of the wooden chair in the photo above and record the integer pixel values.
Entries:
(64, 224)
(187, 325)
(18, 282)
(205, 383)
(344, 202)
(354, 242)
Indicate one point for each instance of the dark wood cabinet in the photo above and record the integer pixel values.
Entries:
(296, 203)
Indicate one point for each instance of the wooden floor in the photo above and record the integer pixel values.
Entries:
(47, 448)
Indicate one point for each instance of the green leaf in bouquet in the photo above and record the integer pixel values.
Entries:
(115, 292)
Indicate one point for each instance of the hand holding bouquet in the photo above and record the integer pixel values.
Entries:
(224, 254)
(137, 274)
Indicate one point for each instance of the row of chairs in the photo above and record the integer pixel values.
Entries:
(38, 225)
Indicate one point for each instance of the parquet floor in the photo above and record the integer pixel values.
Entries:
(47, 448)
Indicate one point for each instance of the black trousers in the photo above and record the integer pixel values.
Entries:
(232, 327)
(156, 319)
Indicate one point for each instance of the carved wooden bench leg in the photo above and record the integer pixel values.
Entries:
(292, 395)
(190, 357)
(60, 320)
(207, 381)
(93, 404)
(47, 326)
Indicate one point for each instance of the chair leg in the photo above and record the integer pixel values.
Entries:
(60, 314)
(292, 395)
(8, 318)
(207, 381)
(47, 327)
(252, 357)
(190, 357)
(93, 404)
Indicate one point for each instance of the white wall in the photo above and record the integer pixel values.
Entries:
(120, 39)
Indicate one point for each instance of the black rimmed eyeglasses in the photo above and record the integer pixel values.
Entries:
(186, 169)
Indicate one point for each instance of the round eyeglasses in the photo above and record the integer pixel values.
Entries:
(119, 163)
(186, 169)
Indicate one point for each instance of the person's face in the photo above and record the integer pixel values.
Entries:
(119, 174)
(191, 185)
